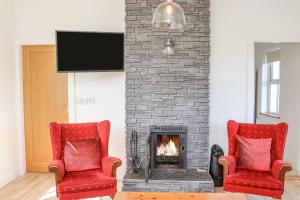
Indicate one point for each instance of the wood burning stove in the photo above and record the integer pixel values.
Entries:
(166, 148)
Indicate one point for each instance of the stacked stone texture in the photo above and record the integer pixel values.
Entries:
(167, 186)
(168, 89)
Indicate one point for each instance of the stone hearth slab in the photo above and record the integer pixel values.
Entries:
(171, 180)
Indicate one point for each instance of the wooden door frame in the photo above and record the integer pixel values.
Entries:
(23, 119)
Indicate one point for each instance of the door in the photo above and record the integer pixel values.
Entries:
(45, 100)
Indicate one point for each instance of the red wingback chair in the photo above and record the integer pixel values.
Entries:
(269, 183)
(88, 183)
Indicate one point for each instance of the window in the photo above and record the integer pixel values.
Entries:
(271, 84)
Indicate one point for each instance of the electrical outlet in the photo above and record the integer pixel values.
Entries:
(86, 101)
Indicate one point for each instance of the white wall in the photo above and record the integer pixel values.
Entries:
(108, 90)
(9, 167)
(235, 26)
(36, 22)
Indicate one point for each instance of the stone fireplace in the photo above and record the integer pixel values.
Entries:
(168, 91)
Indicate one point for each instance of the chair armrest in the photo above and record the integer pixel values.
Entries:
(279, 169)
(228, 163)
(58, 168)
(110, 165)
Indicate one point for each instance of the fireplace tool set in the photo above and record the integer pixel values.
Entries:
(135, 161)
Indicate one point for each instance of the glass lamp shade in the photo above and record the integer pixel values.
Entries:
(169, 14)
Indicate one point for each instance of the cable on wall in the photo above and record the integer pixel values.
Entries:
(75, 105)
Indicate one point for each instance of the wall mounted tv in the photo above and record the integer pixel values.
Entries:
(89, 51)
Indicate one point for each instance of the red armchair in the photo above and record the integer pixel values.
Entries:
(269, 183)
(89, 183)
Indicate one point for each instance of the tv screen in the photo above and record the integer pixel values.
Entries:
(89, 51)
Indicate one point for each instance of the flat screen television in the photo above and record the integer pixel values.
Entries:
(89, 51)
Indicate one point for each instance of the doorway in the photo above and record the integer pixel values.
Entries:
(277, 91)
(45, 96)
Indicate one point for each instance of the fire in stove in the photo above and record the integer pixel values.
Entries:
(167, 146)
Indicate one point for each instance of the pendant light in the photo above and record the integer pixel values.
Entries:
(169, 15)
(168, 47)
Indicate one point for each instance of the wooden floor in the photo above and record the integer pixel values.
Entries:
(41, 186)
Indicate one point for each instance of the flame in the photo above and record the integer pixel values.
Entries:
(167, 149)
